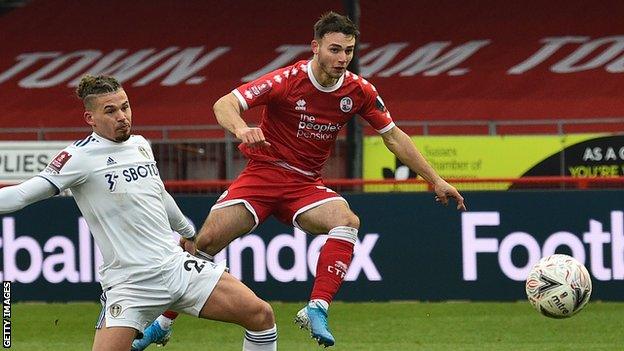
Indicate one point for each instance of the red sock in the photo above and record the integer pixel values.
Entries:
(334, 260)
(170, 314)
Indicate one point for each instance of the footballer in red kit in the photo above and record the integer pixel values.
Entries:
(305, 107)
(302, 118)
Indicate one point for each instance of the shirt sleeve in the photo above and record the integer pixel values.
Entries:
(374, 110)
(16, 197)
(67, 169)
(177, 220)
(264, 89)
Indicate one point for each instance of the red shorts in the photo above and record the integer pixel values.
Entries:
(269, 189)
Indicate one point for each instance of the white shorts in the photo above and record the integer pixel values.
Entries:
(184, 288)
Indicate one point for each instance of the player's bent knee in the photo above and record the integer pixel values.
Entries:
(262, 317)
(353, 221)
(349, 220)
(266, 317)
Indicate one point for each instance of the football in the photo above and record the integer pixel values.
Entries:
(558, 286)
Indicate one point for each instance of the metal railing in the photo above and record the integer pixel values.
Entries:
(208, 152)
(214, 131)
(219, 159)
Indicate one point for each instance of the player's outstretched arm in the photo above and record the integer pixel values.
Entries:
(179, 223)
(228, 113)
(16, 197)
(400, 144)
(177, 220)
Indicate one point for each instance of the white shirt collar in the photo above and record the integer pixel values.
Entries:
(102, 139)
(318, 85)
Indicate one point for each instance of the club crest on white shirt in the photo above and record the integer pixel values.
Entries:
(346, 104)
(144, 152)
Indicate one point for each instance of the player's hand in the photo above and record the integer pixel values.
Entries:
(188, 245)
(444, 191)
(253, 137)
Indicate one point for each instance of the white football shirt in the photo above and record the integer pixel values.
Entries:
(120, 194)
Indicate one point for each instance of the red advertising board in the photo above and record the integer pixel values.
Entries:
(486, 60)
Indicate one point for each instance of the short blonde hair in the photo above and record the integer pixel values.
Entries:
(90, 86)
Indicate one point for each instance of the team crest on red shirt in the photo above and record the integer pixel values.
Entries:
(346, 104)
(60, 160)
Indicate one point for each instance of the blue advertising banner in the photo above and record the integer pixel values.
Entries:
(409, 247)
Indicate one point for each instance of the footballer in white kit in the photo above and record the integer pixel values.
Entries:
(130, 214)
(115, 182)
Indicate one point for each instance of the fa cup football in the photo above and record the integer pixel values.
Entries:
(558, 286)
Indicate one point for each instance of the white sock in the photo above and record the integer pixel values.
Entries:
(264, 340)
(164, 322)
(323, 303)
(204, 256)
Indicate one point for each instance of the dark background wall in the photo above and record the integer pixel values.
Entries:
(410, 248)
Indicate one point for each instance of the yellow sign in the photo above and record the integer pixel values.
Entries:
(467, 157)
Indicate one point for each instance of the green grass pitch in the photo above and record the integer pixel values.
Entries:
(357, 326)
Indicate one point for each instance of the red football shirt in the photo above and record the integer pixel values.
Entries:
(302, 119)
